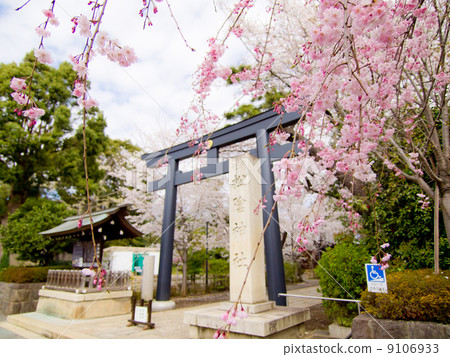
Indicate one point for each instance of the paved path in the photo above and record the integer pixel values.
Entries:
(4, 333)
(169, 324)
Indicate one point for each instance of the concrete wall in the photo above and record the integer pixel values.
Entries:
(19, 298)
(364, 326)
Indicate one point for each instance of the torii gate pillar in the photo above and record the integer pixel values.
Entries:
(259, 127)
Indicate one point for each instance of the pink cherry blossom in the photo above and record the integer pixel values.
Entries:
(54, 21)
(20, 98)
(281, 137)
(48, 13)
(231, 320)
(18, 84)
(34, 113)
(79, 89)
(220, 335)
(87, 103)
(373, 260)
(224, 316)
(385, 258)
(81, 69)
(88, 272)
(42, 32)
(43, 56)
(242, 314)
(32, 123)
(84, 25)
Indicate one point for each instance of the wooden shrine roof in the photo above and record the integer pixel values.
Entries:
(108, 224)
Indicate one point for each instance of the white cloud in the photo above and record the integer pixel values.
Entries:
(150, 95)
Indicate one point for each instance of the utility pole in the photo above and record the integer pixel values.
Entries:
(207, 257)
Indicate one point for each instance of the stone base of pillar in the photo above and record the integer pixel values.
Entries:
(163, 305)
(278, 322)
(71, 306)
(250, 308)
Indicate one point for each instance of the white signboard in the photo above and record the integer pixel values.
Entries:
(140, 314)
(376, 279)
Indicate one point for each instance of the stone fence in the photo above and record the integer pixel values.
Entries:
(18, 298)
(75, 281)
(367, 327)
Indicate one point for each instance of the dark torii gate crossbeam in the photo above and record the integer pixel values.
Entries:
(258, 127)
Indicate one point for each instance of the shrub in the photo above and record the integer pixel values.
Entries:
(341, 275)
(293, 272)
(413, 295)
(25, 275)
(4, 261)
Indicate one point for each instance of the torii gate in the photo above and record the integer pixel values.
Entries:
(258, 126)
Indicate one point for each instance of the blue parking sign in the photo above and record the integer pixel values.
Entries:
(376, 279)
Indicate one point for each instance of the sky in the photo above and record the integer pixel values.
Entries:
(150, 96)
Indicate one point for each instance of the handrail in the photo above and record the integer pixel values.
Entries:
(324, 298)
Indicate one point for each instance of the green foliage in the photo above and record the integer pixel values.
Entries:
(394, 214)
(258, 105)
(48, 160)
(21, 234)
(341, 275)
(28, 157)
(24, 275)
(293, 272)
(217, 259)
(412, 255)
(196, 262)
(5, 191)
(4, 261)
(395, 208)
(413, 295)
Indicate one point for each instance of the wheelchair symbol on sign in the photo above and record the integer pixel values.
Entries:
(374, 275)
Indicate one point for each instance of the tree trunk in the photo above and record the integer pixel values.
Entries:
(445, 207)
(184, 276)
(14, 203)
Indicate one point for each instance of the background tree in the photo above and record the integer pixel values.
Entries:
(28, 155)
(373, 76)
(21, 235)
(47, 158)
(392, 213)
(196, 205)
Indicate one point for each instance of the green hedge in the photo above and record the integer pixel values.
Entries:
(24, 275)
(413, 295)
(341, 275)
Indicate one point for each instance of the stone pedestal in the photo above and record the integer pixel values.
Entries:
(71, 306)
(279, 322)
(246, 238)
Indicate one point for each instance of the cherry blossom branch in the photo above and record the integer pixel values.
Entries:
(178, 26)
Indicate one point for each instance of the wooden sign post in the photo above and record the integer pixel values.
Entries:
(141, 314)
